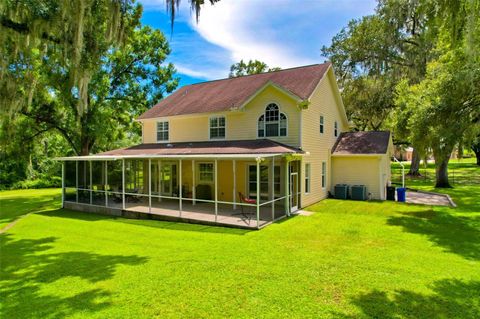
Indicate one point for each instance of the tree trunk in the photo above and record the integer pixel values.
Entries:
(441, 170)
(85, 146)
(85, 138)
(477, 154)
(476, 150)
(415, 164)
(85, 150)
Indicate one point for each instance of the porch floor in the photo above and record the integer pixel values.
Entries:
(203, 212)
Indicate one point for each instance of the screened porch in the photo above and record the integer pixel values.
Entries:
(242, 191)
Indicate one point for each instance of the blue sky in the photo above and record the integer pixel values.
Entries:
(283, 33)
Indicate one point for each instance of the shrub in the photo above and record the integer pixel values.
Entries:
(42, 182)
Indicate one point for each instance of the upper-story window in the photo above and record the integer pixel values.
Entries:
(272, 122)
(217, 127)
(335, 129)
(162, 131)
(322, 124)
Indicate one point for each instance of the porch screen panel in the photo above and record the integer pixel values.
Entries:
(252, 182)
(84, 182)
(70, 181)
(277, 181)
(83, 175)
(136, 185)
(70, 174)
(114, 176)
(114, 186)
(98, 183)
(98, 175)
(135, 177)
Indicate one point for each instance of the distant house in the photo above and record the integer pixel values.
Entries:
(241, 151)
(403, 154)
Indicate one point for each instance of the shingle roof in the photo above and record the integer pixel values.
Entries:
(261, 146)
(225, 94)
(371, 142)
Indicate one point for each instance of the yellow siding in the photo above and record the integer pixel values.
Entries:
(240, 125)
(323, 102)
(243, 126)
(225, 176)
(149, 132)
(303, 131)
(181, 129)
(353, 170)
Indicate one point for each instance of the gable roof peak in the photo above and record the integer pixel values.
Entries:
(231, 93)
(268, 72)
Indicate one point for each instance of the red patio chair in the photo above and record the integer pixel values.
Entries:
(245, 200)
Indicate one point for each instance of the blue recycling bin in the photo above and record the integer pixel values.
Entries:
(401, 194)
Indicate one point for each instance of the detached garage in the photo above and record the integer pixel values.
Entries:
(363, 158)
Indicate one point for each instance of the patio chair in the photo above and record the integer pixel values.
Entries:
(245, 200)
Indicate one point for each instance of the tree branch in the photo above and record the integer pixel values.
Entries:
(38, 133)
(23, 28)
(125, 70)
(54, 125)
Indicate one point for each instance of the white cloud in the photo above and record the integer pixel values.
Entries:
(235, 27)
(284, 33)
(201, 73)
(281, 33)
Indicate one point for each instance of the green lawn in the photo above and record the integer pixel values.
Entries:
(461, 172)
(348, 260)
(17, 203)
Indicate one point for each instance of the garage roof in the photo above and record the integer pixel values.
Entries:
(354, 143)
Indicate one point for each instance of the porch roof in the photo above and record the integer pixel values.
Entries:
(218, 149)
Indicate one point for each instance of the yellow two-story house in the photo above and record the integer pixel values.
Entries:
(242, 151)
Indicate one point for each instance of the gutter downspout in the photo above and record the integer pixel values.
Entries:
(403, 170)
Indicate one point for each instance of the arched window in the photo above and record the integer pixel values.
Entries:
(272, 123)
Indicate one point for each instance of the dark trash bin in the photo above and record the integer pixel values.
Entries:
(401, 194)
(390, 193)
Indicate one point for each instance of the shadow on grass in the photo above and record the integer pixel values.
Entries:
(466, 197)
(456, 234)
(450, 299)
(27, 268)
(64, 213)
(12, 208)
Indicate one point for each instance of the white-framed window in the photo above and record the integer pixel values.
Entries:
(272, 123)
(217, 127)
(205, 173)
(162, 131)
(335, 129)
(307, 178)
(324, 174)
(322, 124)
